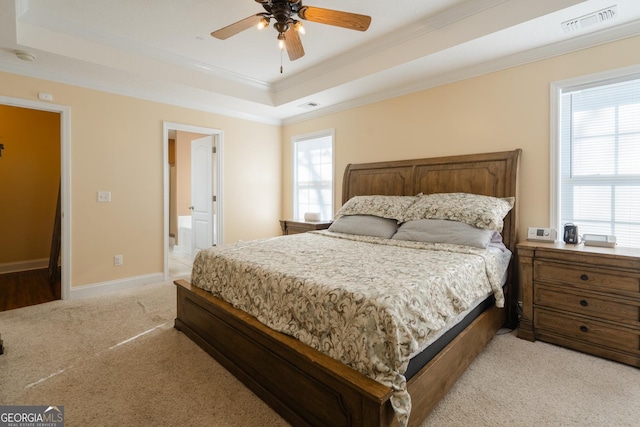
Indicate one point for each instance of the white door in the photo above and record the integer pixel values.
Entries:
(202, 198)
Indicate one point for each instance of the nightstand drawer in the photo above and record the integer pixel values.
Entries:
(581, 276)
(588, 330)
(588, 304)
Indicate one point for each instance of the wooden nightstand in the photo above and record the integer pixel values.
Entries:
(582, 297)
(291, 226)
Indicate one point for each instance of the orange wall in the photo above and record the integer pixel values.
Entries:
(29, 180)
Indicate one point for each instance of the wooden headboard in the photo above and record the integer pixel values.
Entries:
(490, 174)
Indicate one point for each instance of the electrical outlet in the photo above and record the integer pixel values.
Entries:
(117, 260)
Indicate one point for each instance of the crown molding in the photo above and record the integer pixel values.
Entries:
(578, 43)
(135, 91)
(388, 41)
(85, 32)
(217, 104)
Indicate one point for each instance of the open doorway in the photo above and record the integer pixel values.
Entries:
(193, 199)
(34, 154)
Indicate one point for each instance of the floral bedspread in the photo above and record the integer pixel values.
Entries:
(371, 303)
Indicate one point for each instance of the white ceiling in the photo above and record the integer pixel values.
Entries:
(162, 49)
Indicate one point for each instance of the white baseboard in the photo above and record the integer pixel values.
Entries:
(115, 285)
(34, 264)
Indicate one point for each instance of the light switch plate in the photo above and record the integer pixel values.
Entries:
(104, 196)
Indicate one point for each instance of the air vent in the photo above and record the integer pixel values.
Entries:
(594, 18)
(309, 105)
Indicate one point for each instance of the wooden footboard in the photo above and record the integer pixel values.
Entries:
(306, 387)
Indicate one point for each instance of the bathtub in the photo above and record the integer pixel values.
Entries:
(184, 234)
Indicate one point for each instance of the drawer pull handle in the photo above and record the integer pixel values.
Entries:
(583, 328)
(584, 277)
(584, 303)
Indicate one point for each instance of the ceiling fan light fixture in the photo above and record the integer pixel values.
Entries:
(299, 27)
(264, 23)
(281, 39)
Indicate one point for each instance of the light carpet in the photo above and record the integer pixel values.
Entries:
(115, 360)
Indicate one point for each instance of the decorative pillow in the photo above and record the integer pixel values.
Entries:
(365, 225)
(444, 231)
(392, 207)
(480, 211)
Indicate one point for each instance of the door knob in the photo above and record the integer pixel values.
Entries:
(190, 207)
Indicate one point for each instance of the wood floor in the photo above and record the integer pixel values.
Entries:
(26, 288)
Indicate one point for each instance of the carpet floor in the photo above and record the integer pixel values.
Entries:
(116, 360)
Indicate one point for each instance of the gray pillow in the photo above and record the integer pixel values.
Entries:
(444, 231)
(365, 225)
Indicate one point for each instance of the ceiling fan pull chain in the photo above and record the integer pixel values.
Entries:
(280, 61)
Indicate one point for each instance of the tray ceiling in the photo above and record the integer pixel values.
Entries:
(163, 51)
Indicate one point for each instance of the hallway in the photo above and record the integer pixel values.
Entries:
(25, 288)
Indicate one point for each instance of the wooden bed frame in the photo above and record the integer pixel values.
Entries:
(308, 388)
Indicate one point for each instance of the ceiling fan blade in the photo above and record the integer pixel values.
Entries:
(293, 44)
(352, 21)
(233, 29)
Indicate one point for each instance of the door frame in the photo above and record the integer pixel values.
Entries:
(65, 181)
(218, 173)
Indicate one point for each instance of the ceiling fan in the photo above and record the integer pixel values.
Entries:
(286, 14)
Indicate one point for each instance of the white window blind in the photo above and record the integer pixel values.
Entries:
(600, 159)
(313, 175)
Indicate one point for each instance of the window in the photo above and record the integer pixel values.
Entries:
(597, 168)
(313, 175)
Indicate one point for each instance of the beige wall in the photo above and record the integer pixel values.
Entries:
(117, 146)
(29, 180)
(500, 111)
